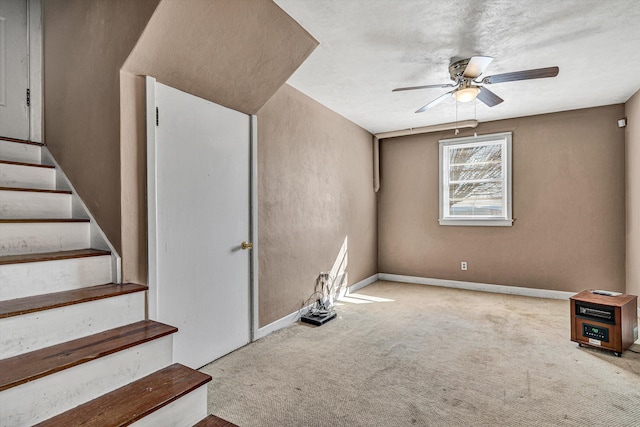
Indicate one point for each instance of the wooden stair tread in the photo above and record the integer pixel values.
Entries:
(43, 221)
(213, 421)
(34, 190)
(39, 363)
(134, 401)
(34, 165)
(20, 141)
(19, 306)
(52, 256)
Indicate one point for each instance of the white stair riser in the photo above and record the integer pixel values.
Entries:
(38, 400)
(29, 238)
(17, 152)
(34, 205)
(184, 412)
(36, 278)
(33, 331)
(20, 176)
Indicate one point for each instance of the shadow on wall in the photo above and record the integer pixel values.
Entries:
(338, 273)
(332, 284)
(338, 277)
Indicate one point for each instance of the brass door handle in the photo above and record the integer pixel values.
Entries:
(246, 245)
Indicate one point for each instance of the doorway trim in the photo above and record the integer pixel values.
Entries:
(34, 43)
(152, 226)
(253, 217)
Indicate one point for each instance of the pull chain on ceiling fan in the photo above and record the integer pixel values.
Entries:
(464, 74)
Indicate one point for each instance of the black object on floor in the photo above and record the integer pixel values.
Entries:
(318, 319)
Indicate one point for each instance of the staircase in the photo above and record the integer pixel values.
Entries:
(75, 345)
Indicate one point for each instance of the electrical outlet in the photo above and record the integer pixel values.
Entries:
(463, 265)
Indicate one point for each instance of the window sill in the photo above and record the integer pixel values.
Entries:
(478, 222)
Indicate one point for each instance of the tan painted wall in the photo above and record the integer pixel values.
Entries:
(221, 50)
(569, 198)
(314, 189)
(133, 161)
(236, 53)
(85, 44)
(632, 110)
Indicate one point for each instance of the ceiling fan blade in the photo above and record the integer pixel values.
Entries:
(435, 102)
(398, 89)
(476, 66)
(488, 97)
(538, 73)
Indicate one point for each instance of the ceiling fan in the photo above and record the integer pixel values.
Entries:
(465, 73)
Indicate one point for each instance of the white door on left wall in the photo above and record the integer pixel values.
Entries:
(14, 71)
(199, 224)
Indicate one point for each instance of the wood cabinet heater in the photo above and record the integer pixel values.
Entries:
(606, 320)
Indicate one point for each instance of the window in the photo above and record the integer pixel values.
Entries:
(475, 180)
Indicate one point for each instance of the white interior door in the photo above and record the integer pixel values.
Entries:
(14, 72)
(199, 208)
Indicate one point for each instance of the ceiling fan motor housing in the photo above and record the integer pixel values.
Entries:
(456, 70)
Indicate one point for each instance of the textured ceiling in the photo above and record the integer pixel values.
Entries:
(369, 47)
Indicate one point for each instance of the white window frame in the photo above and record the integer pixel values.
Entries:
(504, 139)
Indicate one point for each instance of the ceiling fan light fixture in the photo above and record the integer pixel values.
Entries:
(466, 86)
(466, 94)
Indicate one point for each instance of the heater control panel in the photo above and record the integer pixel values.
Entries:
(595, 332)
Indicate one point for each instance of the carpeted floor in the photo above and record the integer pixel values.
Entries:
(403, 354)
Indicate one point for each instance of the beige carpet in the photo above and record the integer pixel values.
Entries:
(402, 355)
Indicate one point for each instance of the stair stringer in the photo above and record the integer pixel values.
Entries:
(79, 209)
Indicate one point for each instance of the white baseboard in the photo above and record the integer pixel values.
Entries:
(473, 286)
(361, 284)
(293, 317)
(278, 324)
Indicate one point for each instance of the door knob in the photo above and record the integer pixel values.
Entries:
(246, 245)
